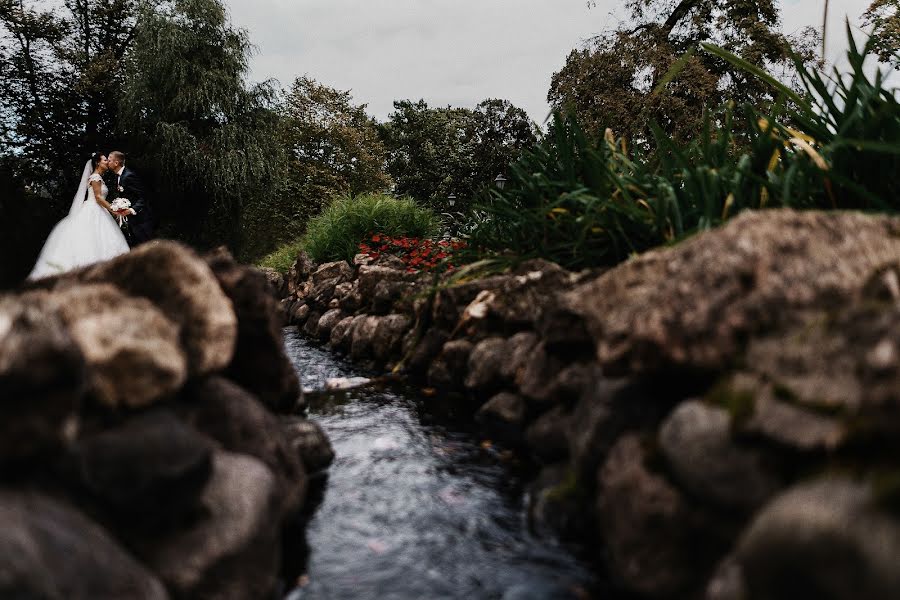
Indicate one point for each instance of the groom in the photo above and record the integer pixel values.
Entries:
(126, 184)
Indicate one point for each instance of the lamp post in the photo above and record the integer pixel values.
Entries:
(500, 181)
(451, 200)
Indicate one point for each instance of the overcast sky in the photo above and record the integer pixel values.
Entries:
(455, 52)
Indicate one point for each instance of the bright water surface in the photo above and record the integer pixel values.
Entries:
(415, 508)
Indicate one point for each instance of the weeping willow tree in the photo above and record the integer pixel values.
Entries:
(195, 123)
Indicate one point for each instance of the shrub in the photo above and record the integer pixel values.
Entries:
(582, 203)
(283, 257)
(336, 233)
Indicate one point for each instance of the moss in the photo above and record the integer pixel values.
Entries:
(567, 489)
(738, 402)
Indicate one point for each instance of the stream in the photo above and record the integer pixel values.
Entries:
(417, 506)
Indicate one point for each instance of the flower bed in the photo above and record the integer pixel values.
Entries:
(416, 253)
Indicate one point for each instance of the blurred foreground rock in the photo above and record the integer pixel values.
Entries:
(141, 454)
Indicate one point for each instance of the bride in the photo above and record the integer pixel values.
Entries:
(89, 233)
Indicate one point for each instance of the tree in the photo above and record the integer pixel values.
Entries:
(332, 148)
(60, 78)
(435, 152)
(192, 121)
(883, 16)
(613, 82)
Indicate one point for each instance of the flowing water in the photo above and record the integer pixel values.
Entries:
(416, 506)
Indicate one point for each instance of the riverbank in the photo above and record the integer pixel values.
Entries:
(719, 418)
(151, 441)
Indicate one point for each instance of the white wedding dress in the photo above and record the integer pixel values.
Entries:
(89, 234)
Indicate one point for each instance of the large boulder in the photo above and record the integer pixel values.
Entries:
(259, 363)
(696, 440)
(652, 536)
(184, 289)
(143, 474)
(51, 551)
(694, 305)
(231, 551)
(825, 539)
(240, 423)
(42, 381)
(131, 348)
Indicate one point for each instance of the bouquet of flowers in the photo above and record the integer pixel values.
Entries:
(121, 208)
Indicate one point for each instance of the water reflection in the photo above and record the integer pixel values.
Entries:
(415, 507)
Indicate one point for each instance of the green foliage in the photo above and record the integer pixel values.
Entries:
(615, 80)
(436, 152)
(283, 257)
(191, 119)
(337, 232)
(583, 203)
(332, 149)
(883, 17)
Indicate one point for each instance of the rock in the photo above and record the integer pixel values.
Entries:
(184, 289)
(486, 363)
(606, 410)
(388, 296)
(426, 348)
(303, 267)
(450, 302)
(311, 328)
(240, 423)
(51, 551)
(546, 379)
(144, 474)
(370, 276)
(519, 348)
(779, 421)
(363, 333)
(696, 440)
(231, 552)
(693, 305)
(340, 338)
(449, 368)
(503, 417)
(309, 442)
(132, 350)
(362, 259)
(260, 363)
(327, 323)
(276, 281)
(338, 270)
(351, 300)
(548, 438)
(42, 381)
(645, 523)
(299, 314)
(825, 538)
(321, 293)
(389, 334)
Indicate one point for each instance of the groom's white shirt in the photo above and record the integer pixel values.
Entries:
(119, 174)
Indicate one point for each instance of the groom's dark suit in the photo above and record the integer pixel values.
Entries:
(140, 226)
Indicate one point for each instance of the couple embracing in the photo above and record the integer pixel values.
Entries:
(104, 220)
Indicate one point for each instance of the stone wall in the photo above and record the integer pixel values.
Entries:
(718, 419)
(148, 448)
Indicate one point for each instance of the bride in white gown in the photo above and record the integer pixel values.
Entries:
(89, 233)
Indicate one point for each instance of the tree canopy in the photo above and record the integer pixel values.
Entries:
(883, 17)
(191, 118)
(436, 152)
(614, 80)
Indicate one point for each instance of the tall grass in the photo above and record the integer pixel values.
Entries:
(336, 233)
(585, 203)
(282, 258)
